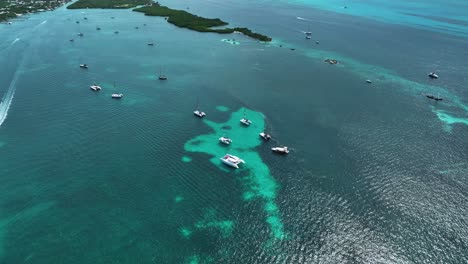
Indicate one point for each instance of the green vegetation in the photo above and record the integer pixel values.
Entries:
(106, 4)
(11, 8)
(184, 19)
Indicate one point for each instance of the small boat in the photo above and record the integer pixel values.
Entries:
(265, 136)
(116, 32)
(308, 32)
(98, 28)
(136, 27)
(80, 34)
(308, 37)
(331, 61)
(77, 22)
(317, 42)
(162, 77)
(232, 160)
(144, 25)
(281, 150)
(95, 87)
(71, 40)
(117, 96)
(85, 18)
(197, 112)
(225, 140)
(151, 43)
(245, 121)
(436, 98)
(368, 81)
(433, 75)
(84, 66)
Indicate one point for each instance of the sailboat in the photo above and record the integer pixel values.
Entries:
(197, 111)
(162, 77)
(245, 121)
(308, 32)
(116, 95)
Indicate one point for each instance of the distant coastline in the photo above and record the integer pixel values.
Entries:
(179, 18)
(10, 9)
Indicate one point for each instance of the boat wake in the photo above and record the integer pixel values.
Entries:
(8, 99)
(301, 18)
(14, 41)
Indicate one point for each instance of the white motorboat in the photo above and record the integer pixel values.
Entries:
(308, 37)
(368, 81)
(282, 150)
(199, 113)
(117, 96)
(95, 87)
(225, 140)
(245, 121)
(84, 66)
(433, 75)
(232, 160)
(265, 136)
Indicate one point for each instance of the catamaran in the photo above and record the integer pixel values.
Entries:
(245, 121)
(116, 95)
(95, 87)
(232, 160)
(162, 77)
(265, 136)
(197, 111)
(225, 140)
(433, 75)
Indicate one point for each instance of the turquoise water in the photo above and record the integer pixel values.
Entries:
(376, 174)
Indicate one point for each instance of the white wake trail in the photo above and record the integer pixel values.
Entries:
(8, 99)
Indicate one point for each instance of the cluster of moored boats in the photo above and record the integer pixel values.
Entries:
(230, 159)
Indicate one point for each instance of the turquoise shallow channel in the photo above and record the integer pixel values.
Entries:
(258, 181)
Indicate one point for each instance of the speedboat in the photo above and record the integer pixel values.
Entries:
(117, 96)
(84, 66)
(245, 121)
(225, 140)
(232, 160)
(368, 81)
(199, 113)
(433, 75)
(162, 77)
(265, 136)
(281, 150)
(95, 87)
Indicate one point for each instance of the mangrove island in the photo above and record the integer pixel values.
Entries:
(179, 18)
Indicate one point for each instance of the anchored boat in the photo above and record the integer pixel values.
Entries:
(281, 150)
(225, 140)
(232, 160)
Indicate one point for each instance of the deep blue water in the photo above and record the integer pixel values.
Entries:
(377, 173)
